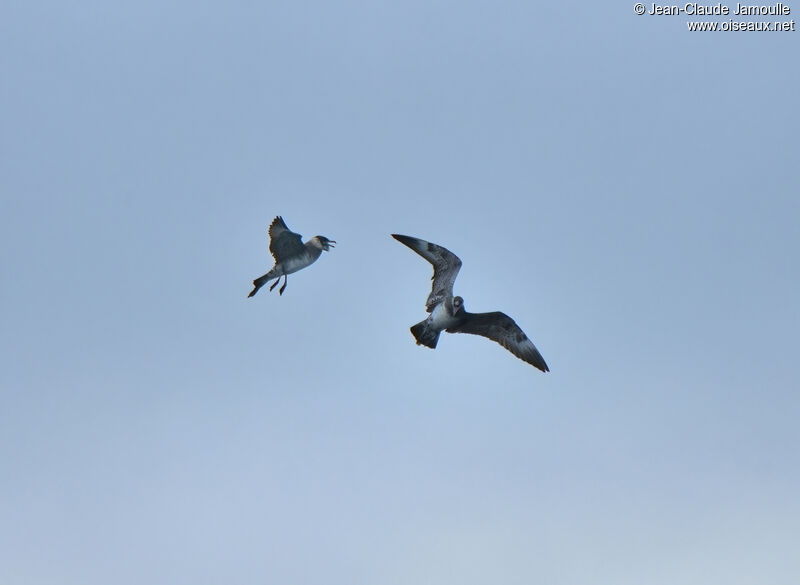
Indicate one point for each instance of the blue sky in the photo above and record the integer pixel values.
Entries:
(624, 189)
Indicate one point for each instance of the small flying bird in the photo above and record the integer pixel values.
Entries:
(290, 254)
(447, 313)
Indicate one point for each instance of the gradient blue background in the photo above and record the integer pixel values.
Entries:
(625, 189)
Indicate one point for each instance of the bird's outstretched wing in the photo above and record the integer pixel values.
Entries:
(284, 243)
(501, 328)
(445, 267)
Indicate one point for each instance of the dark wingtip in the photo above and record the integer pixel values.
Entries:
(406, 240)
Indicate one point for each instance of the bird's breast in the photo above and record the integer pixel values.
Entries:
(441, 318)
(296, 263)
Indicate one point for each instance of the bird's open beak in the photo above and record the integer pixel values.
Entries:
(331, 243)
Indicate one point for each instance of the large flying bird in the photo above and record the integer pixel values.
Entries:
(447, 313)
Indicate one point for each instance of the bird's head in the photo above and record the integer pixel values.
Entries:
(458, 305)
(324, 243)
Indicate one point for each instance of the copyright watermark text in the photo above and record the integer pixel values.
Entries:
(720, 9)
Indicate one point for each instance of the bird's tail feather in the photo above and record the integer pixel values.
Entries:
(261, 281)
(425, 335)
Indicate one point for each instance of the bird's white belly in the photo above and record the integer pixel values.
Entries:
(294, 264)
(440, 318)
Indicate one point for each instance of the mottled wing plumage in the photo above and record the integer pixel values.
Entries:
(503, 329)
(445, 267)
(284, 243)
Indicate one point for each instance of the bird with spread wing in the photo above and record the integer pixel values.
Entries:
(447, 312)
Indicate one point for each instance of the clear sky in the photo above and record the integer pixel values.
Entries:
(625, 189)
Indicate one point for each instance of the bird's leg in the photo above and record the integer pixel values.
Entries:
(274, 284)
(285, 282)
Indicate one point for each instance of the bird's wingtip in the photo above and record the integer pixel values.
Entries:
(407, 240)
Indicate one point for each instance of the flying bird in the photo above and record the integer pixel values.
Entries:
(290, 254)
(447, 313)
